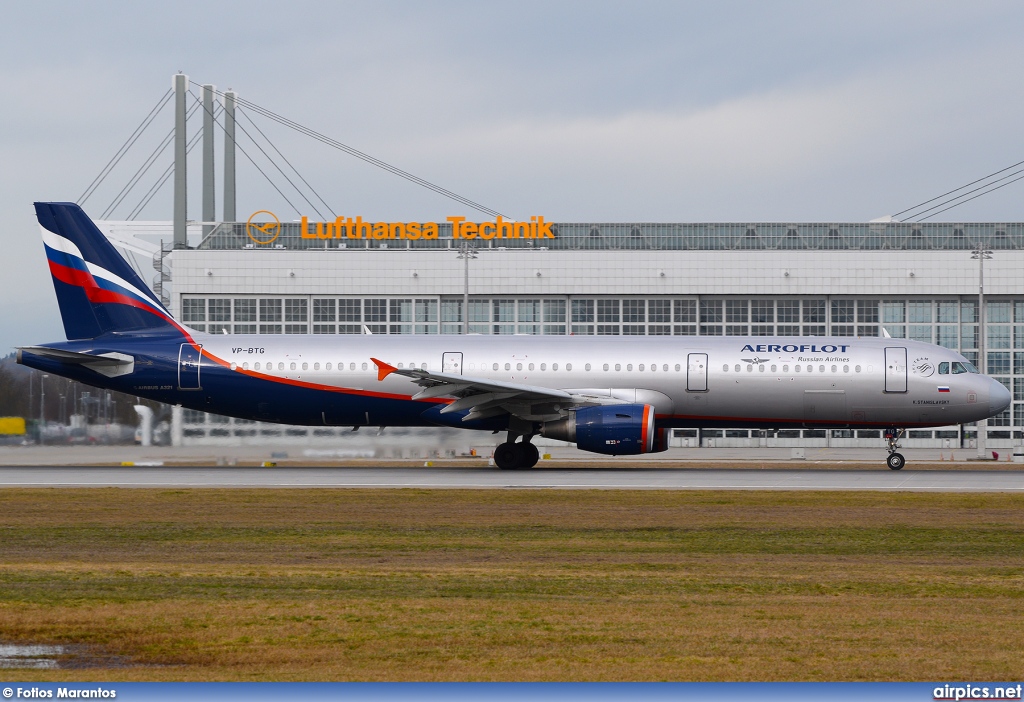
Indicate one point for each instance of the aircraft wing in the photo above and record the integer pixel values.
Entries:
(489, 398)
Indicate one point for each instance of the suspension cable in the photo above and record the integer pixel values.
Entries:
(164, 177)
(333, 143)
(143, 169)
(945, 202)
(116, 158)
(311, 188)
(975, 197)
(969, 192)
(253, 162)
(279, 170)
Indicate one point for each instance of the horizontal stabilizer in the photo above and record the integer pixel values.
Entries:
(108, 364)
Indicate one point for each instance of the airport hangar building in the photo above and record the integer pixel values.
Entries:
(912, 280)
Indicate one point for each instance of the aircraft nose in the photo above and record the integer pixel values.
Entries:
(998, 398)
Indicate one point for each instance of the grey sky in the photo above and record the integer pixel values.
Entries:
(580, 111)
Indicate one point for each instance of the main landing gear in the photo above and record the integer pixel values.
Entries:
(895, 461)
(511, 455)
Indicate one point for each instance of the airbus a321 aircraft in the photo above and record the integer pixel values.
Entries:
(609, 395)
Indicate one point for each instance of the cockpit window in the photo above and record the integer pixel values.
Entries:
(964, 367)
(944, 368)
(970, 367)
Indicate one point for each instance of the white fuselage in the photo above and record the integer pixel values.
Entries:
(691, 381)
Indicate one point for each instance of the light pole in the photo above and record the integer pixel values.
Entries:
(42, 407)
(466, 252)
(982, 254)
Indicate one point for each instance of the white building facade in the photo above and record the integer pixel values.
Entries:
(915, 281)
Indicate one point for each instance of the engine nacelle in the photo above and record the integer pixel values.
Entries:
(615, 430)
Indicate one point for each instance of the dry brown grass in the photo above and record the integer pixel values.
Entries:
(516, 584)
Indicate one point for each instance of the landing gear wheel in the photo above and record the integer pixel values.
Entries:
(530, 455)
(895, 461)
(507, 456)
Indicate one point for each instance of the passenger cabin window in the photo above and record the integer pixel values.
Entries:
(944, 368)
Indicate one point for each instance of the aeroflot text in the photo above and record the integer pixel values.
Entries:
(349, 228)
(794, 348)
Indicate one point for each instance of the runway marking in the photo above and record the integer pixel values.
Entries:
(965, 481)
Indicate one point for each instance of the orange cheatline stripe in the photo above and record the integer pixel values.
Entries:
(319, 386)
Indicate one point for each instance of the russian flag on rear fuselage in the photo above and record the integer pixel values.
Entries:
(97, 290)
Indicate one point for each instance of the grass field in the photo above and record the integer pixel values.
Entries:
(515, 584)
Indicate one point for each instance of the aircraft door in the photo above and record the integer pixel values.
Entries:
(697, 372)
(895, 369)
(189, 357)
(451, 362)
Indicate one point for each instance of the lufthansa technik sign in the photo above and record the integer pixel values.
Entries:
(349, 228)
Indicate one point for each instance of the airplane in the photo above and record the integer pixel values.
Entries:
(608, 395)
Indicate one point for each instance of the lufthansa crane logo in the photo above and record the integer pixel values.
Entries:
(263, 232)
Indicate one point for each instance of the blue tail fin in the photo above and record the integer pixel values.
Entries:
(98, 292)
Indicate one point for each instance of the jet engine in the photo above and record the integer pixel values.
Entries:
(616, 430)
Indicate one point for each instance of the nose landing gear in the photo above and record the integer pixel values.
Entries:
(895, 461)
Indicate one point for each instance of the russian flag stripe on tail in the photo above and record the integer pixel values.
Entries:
(98, 292)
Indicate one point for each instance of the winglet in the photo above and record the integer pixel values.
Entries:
(383, 369)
